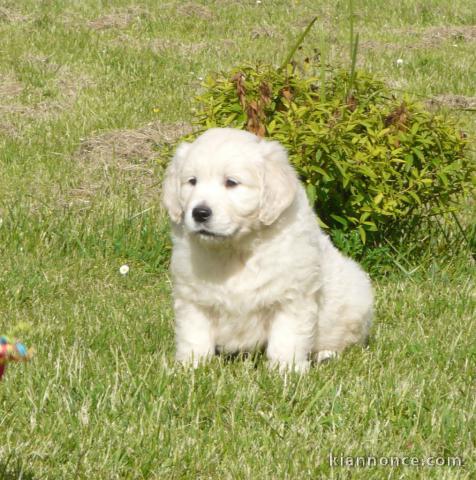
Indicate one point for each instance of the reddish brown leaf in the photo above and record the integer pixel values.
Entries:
(287, 94)
(399, 117)
(351, 103)
(336, 116)
(265, 93)
(255, 116)
(239, 80)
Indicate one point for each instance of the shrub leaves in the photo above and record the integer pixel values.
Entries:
(371, 163)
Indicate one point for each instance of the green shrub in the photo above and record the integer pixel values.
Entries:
(371, 163)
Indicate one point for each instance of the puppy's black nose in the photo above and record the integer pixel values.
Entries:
(201, 214)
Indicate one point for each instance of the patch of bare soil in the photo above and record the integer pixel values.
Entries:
(129, 155)
(459, 102)
(120, 18)
(191, 9)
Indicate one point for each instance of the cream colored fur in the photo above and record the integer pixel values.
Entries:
(259, 272)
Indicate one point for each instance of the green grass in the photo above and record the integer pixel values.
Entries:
(102, 398)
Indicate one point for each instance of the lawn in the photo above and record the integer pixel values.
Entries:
(89, 91)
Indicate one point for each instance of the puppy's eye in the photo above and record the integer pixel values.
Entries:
(192, 180)
(231, 183)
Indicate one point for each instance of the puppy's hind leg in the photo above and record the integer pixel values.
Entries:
(325, 355)
(291, 336)
(338, 330)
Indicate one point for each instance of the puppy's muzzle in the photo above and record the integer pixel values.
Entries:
(201, 213)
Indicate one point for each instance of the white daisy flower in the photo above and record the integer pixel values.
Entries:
(124, 270)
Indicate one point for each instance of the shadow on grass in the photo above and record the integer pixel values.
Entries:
(238, 357)
(14, 470)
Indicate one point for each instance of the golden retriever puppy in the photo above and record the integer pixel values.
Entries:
(251, 267)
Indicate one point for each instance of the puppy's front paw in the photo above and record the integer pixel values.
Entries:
(192, 359)
(290, 366)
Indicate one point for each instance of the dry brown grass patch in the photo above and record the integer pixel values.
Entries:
(7, 129)
(120, 18)
(430, 37)
(159, 45)
(8, 15)
(191, 9)
(124, 156)
(10, 90)
(263, 31)
(435, 35)
(70, 83)
(67, 82)
(459, 102)
(10, 87)
(126, 147)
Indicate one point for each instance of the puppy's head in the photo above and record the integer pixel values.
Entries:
(227, 183)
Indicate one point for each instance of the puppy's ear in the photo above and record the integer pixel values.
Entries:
(171, 183)
(279, 184)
